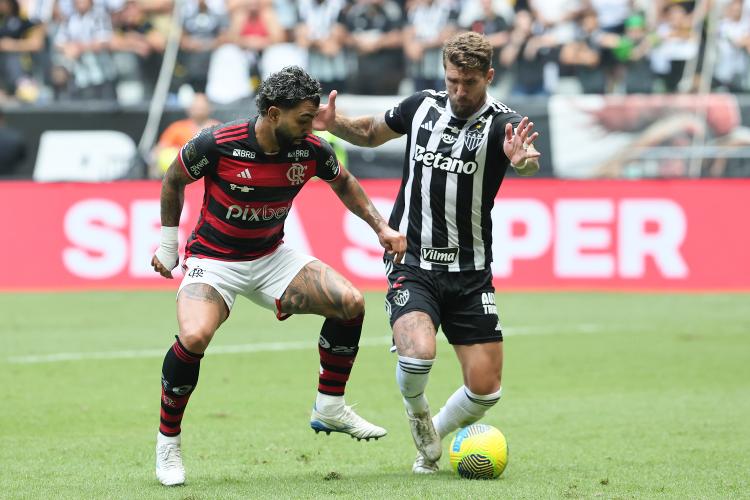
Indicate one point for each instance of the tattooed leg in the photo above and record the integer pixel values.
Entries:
(318, 289)
(200, 311)
(414, 335)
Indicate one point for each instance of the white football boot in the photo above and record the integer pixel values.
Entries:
(169, 468)
(425, 436)
(345, 421)
(423, 466)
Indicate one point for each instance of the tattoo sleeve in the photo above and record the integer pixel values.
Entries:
(173, 194)
(351, 194)
(361, 131)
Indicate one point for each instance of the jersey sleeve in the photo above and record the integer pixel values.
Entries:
(200, 155)
(327, 165)
(399, 117)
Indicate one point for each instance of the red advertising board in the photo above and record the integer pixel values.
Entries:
(548, 234)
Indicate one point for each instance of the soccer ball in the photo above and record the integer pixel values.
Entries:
(479, 451)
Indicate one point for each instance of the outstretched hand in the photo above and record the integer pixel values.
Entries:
(393, 242)
(326, 113)
(518, 144)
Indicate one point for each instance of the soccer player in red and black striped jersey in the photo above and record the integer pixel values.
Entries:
(252, 169)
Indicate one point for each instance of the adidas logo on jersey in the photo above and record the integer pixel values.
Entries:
(245, 174)
(427, 126)
(438, 161)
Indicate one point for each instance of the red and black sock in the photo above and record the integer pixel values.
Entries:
(179, 376)
(338, 346)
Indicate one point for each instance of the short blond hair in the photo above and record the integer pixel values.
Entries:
(468, 50)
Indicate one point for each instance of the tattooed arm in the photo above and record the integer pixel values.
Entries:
(368, 131)
(172, 199)
(350, 192)
(173, 194)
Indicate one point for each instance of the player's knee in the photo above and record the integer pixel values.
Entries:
(418, 349)
(487, 383)
(353, 305)
(485, 388)
(196, 338)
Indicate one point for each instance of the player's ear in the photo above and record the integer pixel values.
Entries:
(490, 75)
(273, 113)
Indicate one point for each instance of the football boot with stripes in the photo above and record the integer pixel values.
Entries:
(347, 422)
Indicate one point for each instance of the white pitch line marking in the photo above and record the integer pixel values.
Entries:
(272, 346)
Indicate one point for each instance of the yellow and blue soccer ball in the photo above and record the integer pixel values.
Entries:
(479, 451)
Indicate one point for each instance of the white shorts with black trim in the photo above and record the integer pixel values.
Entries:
(263, 280)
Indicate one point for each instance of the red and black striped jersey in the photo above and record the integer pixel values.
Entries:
(248, 193)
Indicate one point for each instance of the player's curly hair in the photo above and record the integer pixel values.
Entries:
(286, 89)
(468, 50)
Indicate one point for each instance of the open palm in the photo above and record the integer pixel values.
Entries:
(518, 144)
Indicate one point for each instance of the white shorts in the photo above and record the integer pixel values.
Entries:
(263, 280)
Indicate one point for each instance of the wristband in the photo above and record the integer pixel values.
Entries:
(167, 251)
(521, 166)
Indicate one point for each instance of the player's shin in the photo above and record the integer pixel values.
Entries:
(412, 375)
(337, 346)
(178, 380)
(463, 408)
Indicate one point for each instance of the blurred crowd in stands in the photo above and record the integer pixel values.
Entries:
(62, 50)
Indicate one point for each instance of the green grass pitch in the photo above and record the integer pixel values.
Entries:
(605, 395)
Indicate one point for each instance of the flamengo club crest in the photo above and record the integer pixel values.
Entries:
(296, 174)
(473, 139)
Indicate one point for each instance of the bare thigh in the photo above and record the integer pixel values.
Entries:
(414, 335)
(319, 289)
(482, 366)
(200, 311)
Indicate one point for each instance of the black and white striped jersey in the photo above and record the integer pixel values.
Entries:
(453, 169)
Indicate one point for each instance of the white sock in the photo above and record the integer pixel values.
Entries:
(412, 375)
(329, 405)
(463, 408)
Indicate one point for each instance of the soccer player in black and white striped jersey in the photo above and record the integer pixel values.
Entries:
(460, 144)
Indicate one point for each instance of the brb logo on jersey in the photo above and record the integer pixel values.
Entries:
(299, 153)
(242, 153)
(296, 174)
(438, 161)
